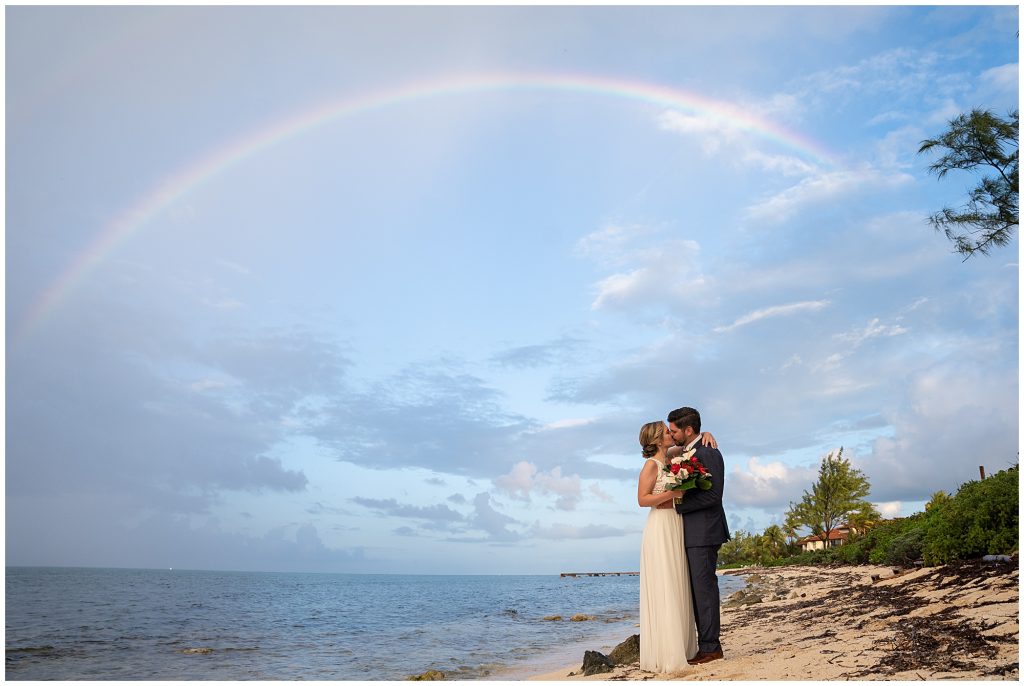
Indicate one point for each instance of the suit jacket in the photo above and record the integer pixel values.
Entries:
(704, 521)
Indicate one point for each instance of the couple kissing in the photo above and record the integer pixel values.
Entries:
(682, 481)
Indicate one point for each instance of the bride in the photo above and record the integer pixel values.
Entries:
(668, 633)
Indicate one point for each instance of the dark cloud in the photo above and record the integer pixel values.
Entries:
(440, 518)
(438, 417)
(434, 516)
(95, 417)
(958, 415)
(115, 402)
(319, 508)
(426, 415)
(106, 531)
(275, 371)
(494, 523)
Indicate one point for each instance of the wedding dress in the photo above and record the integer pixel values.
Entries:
(668, 634)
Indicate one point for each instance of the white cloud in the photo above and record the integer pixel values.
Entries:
(204, 385)
(1005, 78)
(768, 485)
(823, 187)
(794, 361)
(673, 120)
(224, 303)
(612, 243)
(886, 117)
(958, 414)
(787, 165)
(874, 329)
(890, 509)
(780, 105)
(567, 488)
(898, 75)
(943, 112)
(234, 267)
(519, 481)
(898, 148)
(600, 494)
(666, 273)
(775, 311)
(716, 133)
(650, 271)
(524, 479)
(830, 364)
(713, 132)
(567, 423)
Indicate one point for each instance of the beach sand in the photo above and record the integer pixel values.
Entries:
(957, 621)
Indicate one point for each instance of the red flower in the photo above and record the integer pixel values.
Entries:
(674, 468)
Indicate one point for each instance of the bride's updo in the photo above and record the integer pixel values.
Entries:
(650, 438)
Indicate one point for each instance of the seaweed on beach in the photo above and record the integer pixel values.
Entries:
(941, 642)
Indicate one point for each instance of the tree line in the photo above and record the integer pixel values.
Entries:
(981, 518)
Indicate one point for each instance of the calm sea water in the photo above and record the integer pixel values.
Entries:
(80, 623)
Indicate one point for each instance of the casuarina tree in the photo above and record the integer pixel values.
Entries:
(986, 144)
(838, 496)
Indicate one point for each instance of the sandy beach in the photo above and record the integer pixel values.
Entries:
(859, 622)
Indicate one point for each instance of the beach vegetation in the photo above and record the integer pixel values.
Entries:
(748, 548)
(895, 542)
(982, 518)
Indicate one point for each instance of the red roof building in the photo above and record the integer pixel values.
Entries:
(836, 537)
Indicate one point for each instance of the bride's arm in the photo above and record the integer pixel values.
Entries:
(644, 497)
(705, 439)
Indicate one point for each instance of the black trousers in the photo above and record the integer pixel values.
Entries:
(703, 560)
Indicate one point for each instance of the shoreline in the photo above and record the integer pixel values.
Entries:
(602, 640)
(858, 622)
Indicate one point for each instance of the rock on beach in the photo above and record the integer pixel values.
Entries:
(429, 675)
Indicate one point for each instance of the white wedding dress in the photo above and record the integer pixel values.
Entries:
(668, 633)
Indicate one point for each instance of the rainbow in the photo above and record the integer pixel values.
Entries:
(216, 162)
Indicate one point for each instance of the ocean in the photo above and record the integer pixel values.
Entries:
(68, 623)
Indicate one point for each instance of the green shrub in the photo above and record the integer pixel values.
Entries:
(855, 552)
(981, 519)
(906, 548)
(892, 543)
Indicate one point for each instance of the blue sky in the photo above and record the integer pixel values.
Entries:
(422, 336)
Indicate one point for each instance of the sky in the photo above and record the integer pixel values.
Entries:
(393, 289)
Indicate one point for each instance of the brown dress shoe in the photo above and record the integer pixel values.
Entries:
(701, 657)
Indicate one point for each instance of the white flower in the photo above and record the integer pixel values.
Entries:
(688, 454)
(684, 473)
(677, 460)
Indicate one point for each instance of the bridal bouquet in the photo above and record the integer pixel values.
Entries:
(687, 472)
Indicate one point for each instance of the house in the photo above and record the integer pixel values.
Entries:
(838, 536)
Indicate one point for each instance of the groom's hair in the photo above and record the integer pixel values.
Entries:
(684, 417)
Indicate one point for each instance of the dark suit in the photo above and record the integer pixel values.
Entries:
(705, 530)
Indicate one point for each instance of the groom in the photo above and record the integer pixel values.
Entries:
(705, 530)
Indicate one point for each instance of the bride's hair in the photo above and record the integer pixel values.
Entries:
(650, 437)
